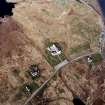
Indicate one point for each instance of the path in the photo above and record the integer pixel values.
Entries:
(62, 64)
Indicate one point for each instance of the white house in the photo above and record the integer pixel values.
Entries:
(54, 50)
(90, 60)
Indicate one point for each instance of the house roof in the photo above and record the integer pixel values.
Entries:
(54, 50)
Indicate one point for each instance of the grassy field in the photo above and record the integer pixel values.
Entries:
(97, 58)
(22, 92)
(88, 31)
(80, 48)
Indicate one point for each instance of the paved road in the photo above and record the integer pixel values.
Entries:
(57, 69)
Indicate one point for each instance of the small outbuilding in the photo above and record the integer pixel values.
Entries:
(34, 71)
(27, 88)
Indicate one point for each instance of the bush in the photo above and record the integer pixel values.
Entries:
(16, 72)
(32, 86)
(97, 58)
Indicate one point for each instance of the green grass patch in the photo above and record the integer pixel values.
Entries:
(80, 61)
(77, 76)
(62, 2)
(54, 60)
(55, 77)
(97, 58)
(80, 48)
(32, 86)
(22, 92)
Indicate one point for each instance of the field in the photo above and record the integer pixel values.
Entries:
(22, 41)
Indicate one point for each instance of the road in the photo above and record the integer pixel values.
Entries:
(57, 69)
